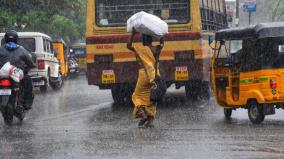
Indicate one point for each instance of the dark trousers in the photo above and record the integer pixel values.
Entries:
(27, 95)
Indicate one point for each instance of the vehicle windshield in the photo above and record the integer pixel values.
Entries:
(27, 43)
(235, 46)
(116, 12)
(229, 48)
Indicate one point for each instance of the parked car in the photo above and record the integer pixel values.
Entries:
(47, 72)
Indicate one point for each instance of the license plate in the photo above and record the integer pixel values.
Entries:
(41, 83)
(72, 70)
(108, 76)
(181, 73)
(5, 92)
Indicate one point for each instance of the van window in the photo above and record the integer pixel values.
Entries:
(27, 43)
(47, 46)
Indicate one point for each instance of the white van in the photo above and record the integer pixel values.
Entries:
(47, 72)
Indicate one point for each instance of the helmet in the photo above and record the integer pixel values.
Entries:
(11, 36)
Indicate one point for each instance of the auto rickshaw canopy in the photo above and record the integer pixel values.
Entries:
(259, 31)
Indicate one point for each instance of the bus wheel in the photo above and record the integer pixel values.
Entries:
(191, 91)
(119, 93)
(228, 113)
(255, 113)
(205, 91)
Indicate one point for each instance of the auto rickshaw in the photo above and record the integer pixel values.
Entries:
(61, 52)
(248, 69)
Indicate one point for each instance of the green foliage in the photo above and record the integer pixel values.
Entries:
(278, 12)
(64, 18)
(6, 19)
(65, 28)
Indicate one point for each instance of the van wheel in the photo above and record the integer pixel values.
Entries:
(43, 89)
(255, 113)
(228, 113)
(58, 84)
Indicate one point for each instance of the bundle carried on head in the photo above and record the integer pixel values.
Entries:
(148, 24)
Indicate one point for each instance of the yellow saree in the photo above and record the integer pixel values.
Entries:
(141, 95)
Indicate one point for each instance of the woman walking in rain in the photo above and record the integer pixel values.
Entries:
(146, 53)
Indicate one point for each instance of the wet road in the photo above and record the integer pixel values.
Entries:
(80, 121)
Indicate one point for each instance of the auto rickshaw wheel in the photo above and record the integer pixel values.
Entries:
(228, 113)
(255, 113)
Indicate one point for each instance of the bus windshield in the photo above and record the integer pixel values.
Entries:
(116, 12)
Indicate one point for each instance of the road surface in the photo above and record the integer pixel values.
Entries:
(81, 121)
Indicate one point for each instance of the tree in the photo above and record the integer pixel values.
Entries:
(7, 20)
(65, 28)
(278, 12)
(64, 17)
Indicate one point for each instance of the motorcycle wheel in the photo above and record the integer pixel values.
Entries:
(19, 112)
(7, 114)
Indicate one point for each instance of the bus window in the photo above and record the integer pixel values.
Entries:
(222, 5)
(116, 12)
(206, 3)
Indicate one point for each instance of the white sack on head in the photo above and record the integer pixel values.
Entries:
(146, 23)
(11, 71)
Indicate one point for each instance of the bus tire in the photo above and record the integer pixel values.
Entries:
(228, 113)
(255, 112)
(118, 94)
(192, 90)
(205, 91)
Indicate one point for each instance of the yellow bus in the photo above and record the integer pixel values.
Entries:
(184, 61)
(79, 52)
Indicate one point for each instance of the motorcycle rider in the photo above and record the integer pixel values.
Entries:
(22, 59)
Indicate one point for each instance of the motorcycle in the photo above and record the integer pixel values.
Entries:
(10, 94)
